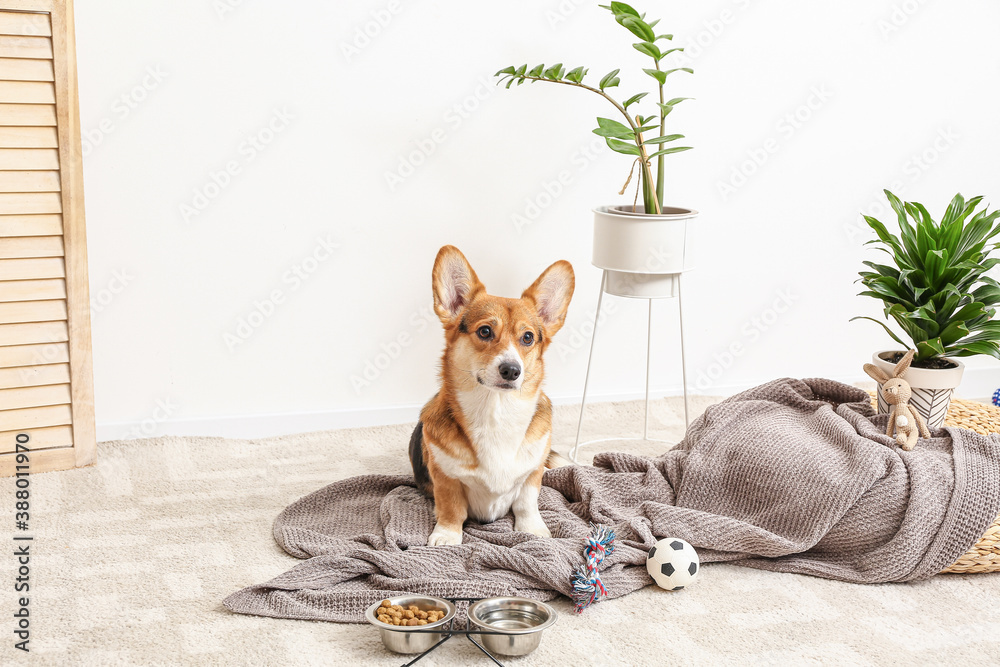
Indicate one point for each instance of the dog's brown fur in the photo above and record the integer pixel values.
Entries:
(480, 442)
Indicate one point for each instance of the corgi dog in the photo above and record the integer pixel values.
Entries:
(483, 441)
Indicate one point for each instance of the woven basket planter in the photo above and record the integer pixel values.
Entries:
(984, 555)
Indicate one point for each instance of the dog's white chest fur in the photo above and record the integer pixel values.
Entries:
(497, 426)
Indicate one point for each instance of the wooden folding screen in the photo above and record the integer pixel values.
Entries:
(46, 384)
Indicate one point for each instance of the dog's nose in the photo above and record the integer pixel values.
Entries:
(509, 371)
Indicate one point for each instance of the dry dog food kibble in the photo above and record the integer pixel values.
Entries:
(394, 614)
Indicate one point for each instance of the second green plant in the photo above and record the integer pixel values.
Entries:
(631, 137)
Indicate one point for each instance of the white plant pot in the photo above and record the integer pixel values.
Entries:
(643, 254)
(932, 387)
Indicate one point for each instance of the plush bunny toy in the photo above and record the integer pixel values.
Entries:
(903, 419)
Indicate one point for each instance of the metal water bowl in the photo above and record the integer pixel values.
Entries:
(518, 622)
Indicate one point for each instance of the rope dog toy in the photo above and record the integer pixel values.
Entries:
(587, 585)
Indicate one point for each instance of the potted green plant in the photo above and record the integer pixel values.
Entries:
(936, 290)
(632, 241)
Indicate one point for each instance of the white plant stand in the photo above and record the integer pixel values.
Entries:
(649, 338)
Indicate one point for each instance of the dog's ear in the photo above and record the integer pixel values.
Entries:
(903, 364)
(876, 373)
(551, 294)
(454, 283)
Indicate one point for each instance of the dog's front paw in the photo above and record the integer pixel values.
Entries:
(533, 525)
(442, 535)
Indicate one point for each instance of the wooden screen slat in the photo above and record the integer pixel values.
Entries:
(34, 376)
(14, 203)
(33, 355)
(53, 415)
(28, 137)
(26, 69)
(32, 290)
(75, 234)
(38, 438)
(30, 225)
(15, 159)
(29, 181)
(28, 114)
(31, 246)
(30, 333)
(44, 460)
(32, 269)
(25, 47)
(27, 92)
(34, 397)
(32, 311)
(18, 23)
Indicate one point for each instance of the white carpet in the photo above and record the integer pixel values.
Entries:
(133, 556)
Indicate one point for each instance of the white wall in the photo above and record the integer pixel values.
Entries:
(902, 95)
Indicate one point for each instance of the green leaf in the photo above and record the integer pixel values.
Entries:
(632, 100)
(622, 8)
(537, 70)
(679, 69)
(668, 151)
(657, 74)
(639, 28)
(649, 49)
(612, 128)
(678, 100)
(883, 325)
(928, 349)
(576, 75)
(664, 139)
(506, 70)
(610, 80)
(970, 349)
(622, 147)
(555, 73)
(666, 37)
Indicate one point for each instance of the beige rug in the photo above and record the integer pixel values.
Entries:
(133, 556)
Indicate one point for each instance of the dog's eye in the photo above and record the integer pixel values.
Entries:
(484, 332)
(527, 339)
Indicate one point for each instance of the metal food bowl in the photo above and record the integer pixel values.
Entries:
(519, 621)
(399, 638)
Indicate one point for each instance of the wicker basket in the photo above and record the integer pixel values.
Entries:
(984, 555)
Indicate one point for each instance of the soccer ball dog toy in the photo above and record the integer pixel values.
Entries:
(673, 563)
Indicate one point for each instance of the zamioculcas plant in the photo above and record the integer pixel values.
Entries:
(632, 137)
(937, 290)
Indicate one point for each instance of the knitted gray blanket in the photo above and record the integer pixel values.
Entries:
(792, 476)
